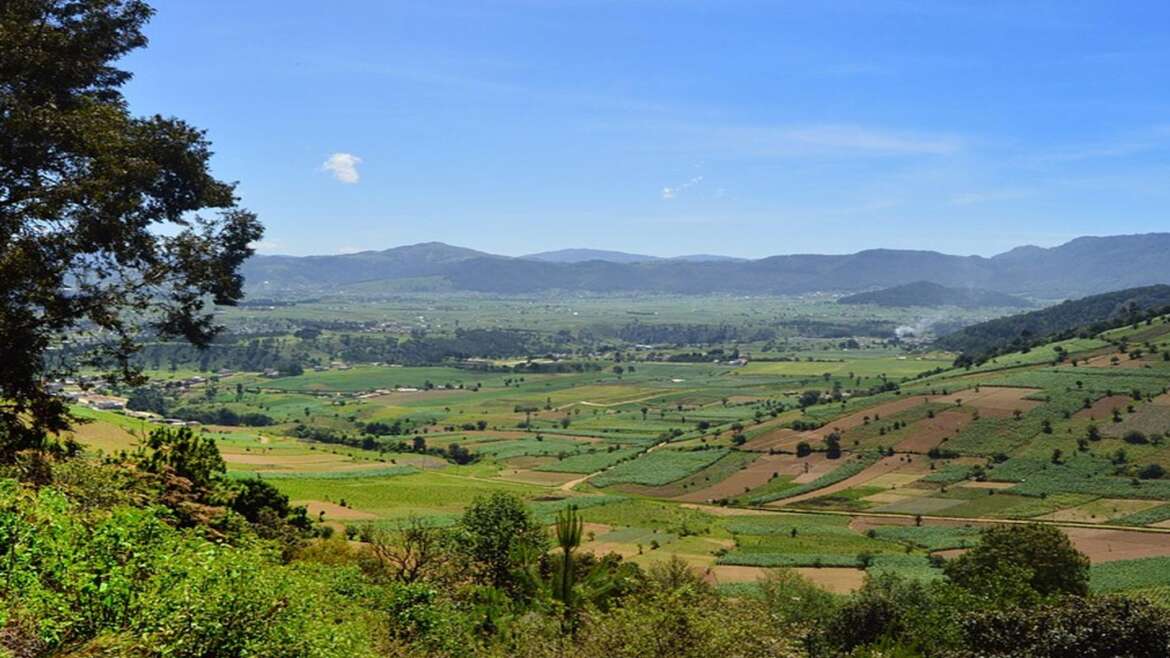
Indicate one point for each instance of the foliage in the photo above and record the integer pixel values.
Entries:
(1103, 627)
(127, 582)
(97, 232)
(1025, 330)
(1052, 564)
(496, 532)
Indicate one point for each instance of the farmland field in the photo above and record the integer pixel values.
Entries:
(630, 436)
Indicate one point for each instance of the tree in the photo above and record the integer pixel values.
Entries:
(1152, 472)
(98, 231)
(809, 398)
(255, 496)
(833, 446)
(1055, 566)
(184, 454)
(495, 532)
(416, 551)
(568, 535)
(1073, 626)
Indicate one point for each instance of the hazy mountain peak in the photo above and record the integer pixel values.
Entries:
(584, 255)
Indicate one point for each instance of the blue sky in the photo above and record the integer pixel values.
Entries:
(740, 127)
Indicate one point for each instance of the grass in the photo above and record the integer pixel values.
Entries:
(932, 538)
(1125, 575)
(643, 513)
(391, 471)
(421, 494)
(790, 541)
(1147, 517)
(659, 467)
(589, 462)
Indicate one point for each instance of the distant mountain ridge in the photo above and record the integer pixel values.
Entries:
(585, 255)
(1081, 267)
(925, 293)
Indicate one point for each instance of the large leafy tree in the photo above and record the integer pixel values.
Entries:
(1040, 556)
(100, 236)
(496, 535)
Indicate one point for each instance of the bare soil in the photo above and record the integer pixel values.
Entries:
(334, 512)
(994, 401)
(928, 433)
(756, 474)
(885, 466)
(1103, 409)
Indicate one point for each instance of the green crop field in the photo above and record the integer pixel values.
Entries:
(659, 467)
(382, 439)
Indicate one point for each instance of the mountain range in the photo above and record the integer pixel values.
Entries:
(584, 255)
(1083, 266)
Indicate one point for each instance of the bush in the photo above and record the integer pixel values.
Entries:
(1152, 472)
(124, 582)
(1135, 437)
(1098, 627)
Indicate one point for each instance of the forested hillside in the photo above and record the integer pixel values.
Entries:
(925, 293)
(1070, 318)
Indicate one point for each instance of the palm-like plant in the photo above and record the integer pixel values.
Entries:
(569, 527)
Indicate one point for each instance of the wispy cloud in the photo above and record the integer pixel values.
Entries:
(669, 193)
(799, 140)
(856, 138)
(343, 166)
(267, 246)
(1152, 138)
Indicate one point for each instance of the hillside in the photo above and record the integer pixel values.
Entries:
(925, 293)
(1063, 320)
(1083, 266)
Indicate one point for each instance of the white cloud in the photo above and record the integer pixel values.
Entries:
(343, 166)
(669, 193)
(267, 246)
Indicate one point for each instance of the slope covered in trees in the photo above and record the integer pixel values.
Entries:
(1065, 320)
(925, 293)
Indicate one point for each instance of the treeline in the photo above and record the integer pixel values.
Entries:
(421, 350)
(375, 439)
(308, 346)
(1075, 318)
(252, 354)
(224, 416)
(691, 334)
(707, 334)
